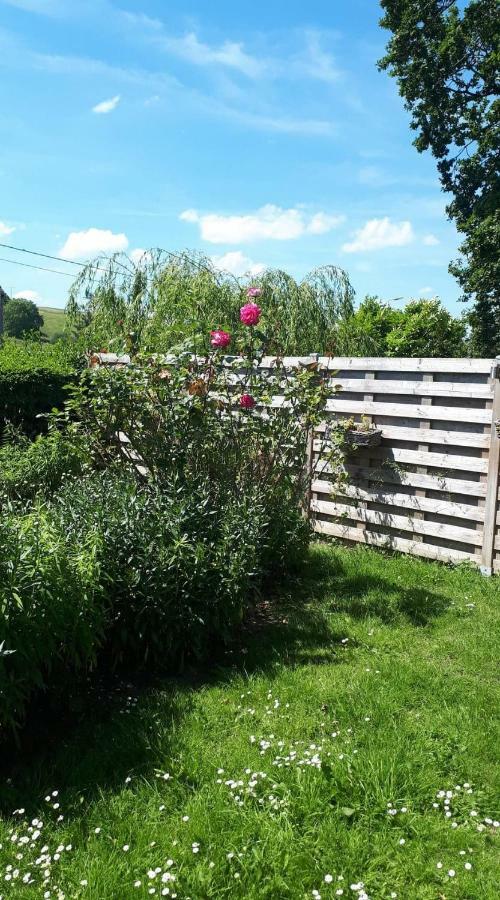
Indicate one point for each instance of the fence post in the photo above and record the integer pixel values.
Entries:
(491, 505)
(309, 460)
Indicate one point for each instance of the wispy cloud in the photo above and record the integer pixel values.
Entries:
(377, 234)
(237, 264)
(430, 240)
(425, 291)
(230, 54)
(5, 229)
(164, 84)
(106, 106)
(189, 47)
(315, 62)
(267, 223)
(85, 244)
(44, 7)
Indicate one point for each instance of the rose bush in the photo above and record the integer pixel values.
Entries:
(190, 499)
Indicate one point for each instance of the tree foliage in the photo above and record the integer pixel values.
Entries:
(422, 328)
(21, 317)
(445, 59)
(426, 328)
(167, 301)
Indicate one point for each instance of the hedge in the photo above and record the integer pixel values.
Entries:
(33, 380)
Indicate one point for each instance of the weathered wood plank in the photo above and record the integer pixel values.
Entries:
(381, 363)
(415, 388)
(412, 479)
(409, 411)
(432, 436)
(441, 507)
(415, 548)
(399, 523)
(422, 457)
(490, 508)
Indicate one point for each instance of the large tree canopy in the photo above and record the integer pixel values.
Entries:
(21, 317)
(446, 58)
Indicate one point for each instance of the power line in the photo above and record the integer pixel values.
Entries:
(15, 262)
(70, 262)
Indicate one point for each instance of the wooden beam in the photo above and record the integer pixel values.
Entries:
(491, 504)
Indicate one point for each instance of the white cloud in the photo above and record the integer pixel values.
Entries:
(84, 244)
(430, 240)
(316, 62)
(425, 291)
(5, 230)
(230, 54)
(379, 233)
(267, 223)
(321, 223)
(237, 264)
(106, 106)
(27, 295)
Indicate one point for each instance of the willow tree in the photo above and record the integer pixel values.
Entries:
(165, 301)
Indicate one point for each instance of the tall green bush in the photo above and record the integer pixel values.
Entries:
(188, 496)
(33, 380)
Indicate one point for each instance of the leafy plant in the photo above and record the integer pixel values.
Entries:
(171, 301)
(186, 496)
(33, 378)
(445, 58)
(31, 468)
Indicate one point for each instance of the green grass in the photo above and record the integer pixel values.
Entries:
(396, 657)
(53, 320)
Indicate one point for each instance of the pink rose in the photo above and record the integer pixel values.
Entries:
(220, 339)
(247, 401)
(253, 292)
(250, 314)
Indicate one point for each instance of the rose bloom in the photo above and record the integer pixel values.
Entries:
(250, 314)
(253, 292)
(247, 401)
(220, 339)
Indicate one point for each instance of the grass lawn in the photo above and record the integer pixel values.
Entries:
(351, 733)
(53, 320)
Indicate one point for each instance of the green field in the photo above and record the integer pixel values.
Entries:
(53, 320)
(347, 745)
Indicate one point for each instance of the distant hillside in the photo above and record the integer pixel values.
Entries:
(53, 320)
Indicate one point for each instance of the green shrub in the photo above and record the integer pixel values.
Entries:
(52, 614)
(33, 380)
(29, 468)
(153, 552)
(151, 576)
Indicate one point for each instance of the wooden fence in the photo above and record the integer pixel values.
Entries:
(432, 486)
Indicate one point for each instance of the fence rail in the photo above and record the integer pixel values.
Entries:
(432, 486)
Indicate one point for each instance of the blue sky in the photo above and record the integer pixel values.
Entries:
(260, 133)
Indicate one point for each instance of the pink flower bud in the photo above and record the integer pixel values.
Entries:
(250, 314)
(247, 401)
(220, 339)
(253, 292)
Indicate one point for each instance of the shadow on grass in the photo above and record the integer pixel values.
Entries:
(109, 727)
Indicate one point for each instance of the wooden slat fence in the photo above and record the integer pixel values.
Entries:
(432, 487)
